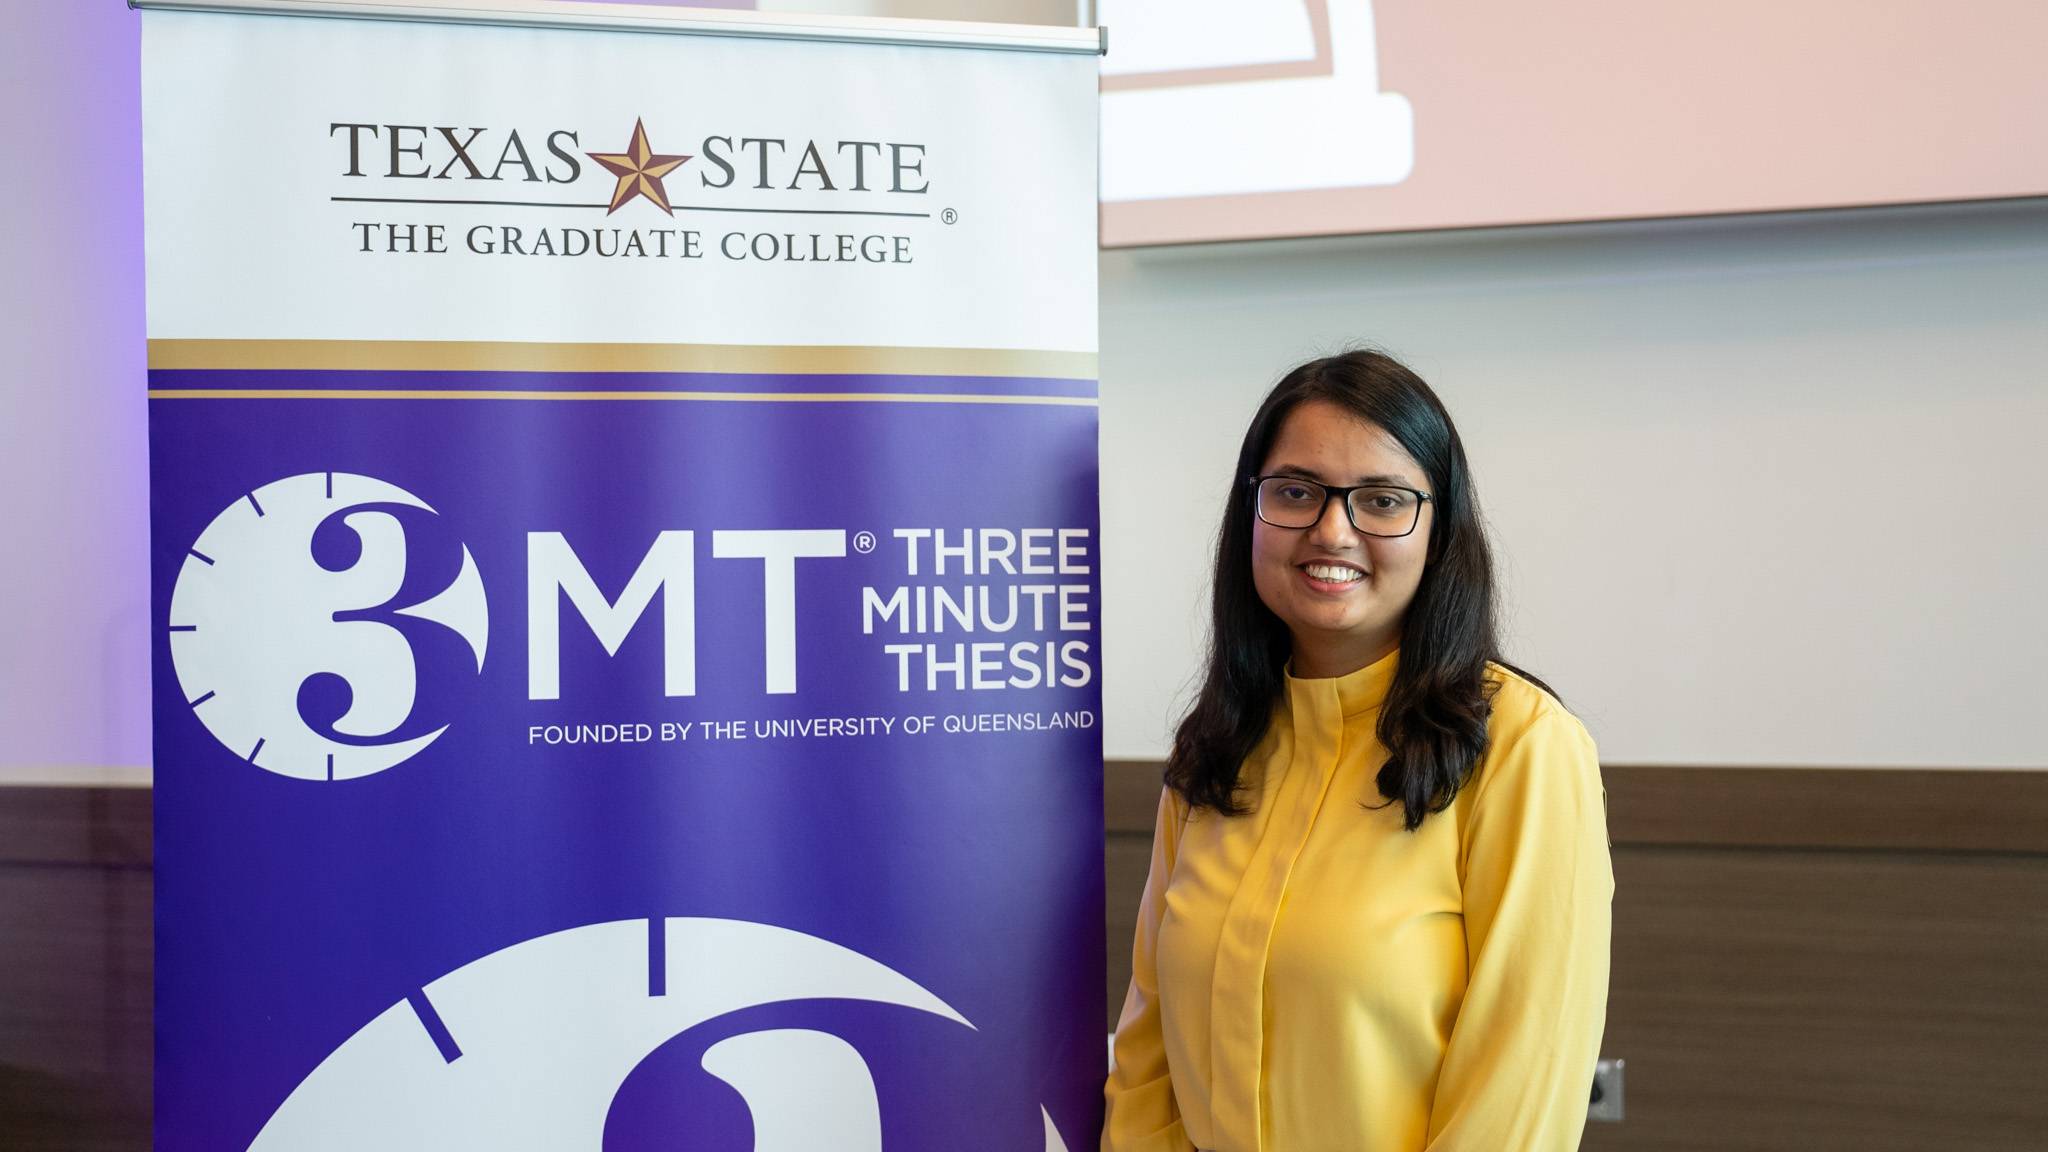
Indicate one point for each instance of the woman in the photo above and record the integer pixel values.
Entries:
(1377, 916)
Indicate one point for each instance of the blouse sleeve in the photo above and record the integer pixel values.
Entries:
(1539, 888)
(1142, 1115)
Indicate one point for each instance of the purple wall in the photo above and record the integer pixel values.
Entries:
(74, 671)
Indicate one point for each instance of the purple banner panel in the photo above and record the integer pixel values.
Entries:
(627, 774)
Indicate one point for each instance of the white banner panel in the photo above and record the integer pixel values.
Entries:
(864, 195)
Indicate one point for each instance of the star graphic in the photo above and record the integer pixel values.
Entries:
(639, 169)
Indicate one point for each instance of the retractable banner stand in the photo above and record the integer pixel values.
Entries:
(625, 572)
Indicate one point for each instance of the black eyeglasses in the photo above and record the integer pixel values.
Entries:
(1374, 509)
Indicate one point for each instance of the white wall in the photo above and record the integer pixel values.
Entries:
(1768, 490)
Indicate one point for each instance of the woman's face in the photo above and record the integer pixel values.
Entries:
(1341, 593)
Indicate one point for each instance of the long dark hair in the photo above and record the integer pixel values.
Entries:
(1433, 722)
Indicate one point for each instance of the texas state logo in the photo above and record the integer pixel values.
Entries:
(311, 614)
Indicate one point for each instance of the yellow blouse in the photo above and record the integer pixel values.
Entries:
(1310, 976)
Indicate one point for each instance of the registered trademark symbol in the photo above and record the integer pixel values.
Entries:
(949, 217)
(864, 542)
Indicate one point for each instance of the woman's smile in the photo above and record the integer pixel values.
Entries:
(1332, 577)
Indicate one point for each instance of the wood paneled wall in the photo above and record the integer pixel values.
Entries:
(76, 947)
(1804, 960)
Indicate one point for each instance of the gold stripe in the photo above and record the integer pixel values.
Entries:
(518, 356)
(501, 394)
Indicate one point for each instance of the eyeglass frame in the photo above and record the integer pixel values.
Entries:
(1332, 491)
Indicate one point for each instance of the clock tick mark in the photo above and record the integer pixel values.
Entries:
(435, 1026)
(657, 957)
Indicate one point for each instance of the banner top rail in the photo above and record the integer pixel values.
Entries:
(683, 21)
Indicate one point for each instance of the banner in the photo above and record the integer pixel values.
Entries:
(625, 584)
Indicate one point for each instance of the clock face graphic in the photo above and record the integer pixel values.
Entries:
(300, 615)
(526, 1049)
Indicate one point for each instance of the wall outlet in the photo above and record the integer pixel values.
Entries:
(1607, 1091)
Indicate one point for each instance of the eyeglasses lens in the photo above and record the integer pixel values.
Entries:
(1286, 502)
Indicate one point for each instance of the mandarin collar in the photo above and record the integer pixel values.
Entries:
(1355, 692)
